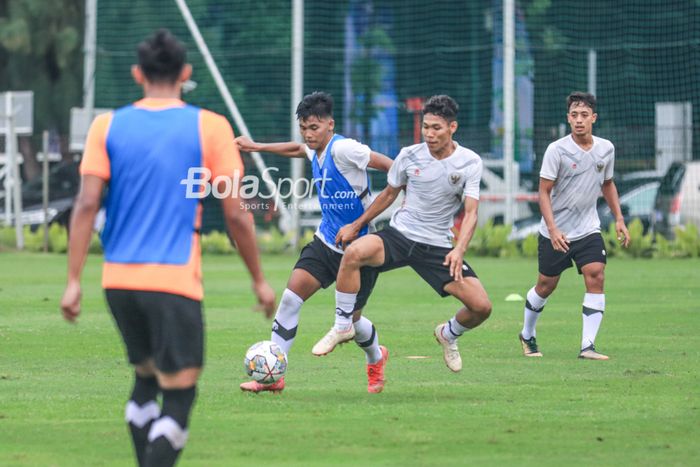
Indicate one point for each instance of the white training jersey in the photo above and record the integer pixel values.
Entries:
(435, 191)
(351, 159)
(578, 176)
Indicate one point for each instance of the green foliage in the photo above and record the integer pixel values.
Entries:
(640, 246)
(216, 243)
(492, 240)
(529, 246)
(688, 241)
(274, 242)
(58, 239)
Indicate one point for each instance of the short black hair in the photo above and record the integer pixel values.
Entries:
(162, 57)
(443, 106)
(317, 104)
(578, 98)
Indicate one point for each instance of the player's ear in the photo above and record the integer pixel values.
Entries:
(186, 73)
(331, 124)
(453, 127)
(594, 117)
(138, 75)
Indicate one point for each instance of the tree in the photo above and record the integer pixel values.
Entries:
(40, 51)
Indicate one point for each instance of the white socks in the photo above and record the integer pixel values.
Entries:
(366, 338)
(453, 330)
(344, 307)
(284, 328)
(533, 306)
(592, 314)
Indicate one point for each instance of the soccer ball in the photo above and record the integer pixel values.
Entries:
(265, 362)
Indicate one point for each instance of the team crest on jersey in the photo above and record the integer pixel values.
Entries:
(455, 178)
(416, 172)
(573, 166)
(599, 166)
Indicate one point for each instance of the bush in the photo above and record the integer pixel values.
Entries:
(216, 243)
(529, 246)
(274, 241)
(687, 241)
(58, 239)
(492, 240)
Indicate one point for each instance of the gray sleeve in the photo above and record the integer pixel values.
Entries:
(610, 166)
(397, 173)
(471, 187)
(550, 163)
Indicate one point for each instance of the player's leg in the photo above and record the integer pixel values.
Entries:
(592, 310)
(551, 264)
(477, 308)
(177, 336)
(366, 336)
(366, 251)
(589, 255)
(300, 287)
(142, 407)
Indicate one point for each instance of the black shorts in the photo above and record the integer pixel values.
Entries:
(589, 249)
(165, 327)
(323, 263)
(425, 259)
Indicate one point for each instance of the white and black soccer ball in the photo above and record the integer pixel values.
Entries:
(265, 362)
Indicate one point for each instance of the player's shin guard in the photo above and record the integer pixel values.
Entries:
(141, 410)
(367, 339)
(344, 308)
(168, 434)
(534, 304)
(284, 328)
(592, 315)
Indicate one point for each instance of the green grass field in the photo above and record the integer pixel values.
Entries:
(63, 388)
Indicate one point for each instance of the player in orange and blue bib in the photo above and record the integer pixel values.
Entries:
(152, 274)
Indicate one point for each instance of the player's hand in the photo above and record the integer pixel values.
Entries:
(246, 144)
(454, 261)
(266, 298)
(70, 303)
(559, 241)
(346, 234)
(623, 234)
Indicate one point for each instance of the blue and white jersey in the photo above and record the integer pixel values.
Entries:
(342, 184)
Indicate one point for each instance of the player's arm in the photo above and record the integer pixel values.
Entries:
(558, 239)
(379, 161)
(82, 220)
(610, 194)
(349, 232)
(241, 229)
(285, 149)
(454, 258)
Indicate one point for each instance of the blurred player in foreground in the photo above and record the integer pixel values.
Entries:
(152, 274)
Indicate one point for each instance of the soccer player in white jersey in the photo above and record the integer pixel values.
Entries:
(575, 170)
(439, 176)
(340, 171)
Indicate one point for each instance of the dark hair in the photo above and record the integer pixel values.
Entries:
(443, 106)
(317, 104)
(161, 57)
(578, 98)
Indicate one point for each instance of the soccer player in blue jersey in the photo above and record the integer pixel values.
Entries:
(152, 274)
(340, 172)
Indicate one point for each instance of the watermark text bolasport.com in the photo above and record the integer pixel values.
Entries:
(199, 184)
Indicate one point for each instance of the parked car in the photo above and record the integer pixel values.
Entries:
(636, 202)
(64, 183)
(678, 199)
